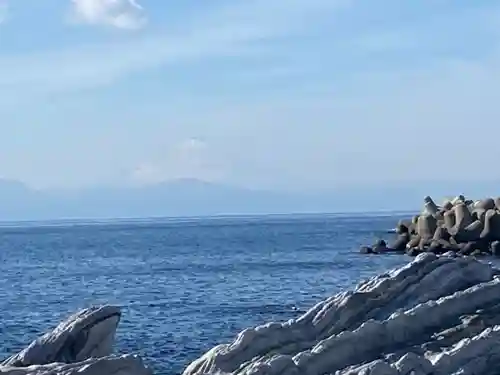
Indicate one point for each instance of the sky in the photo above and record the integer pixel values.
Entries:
(281, 94)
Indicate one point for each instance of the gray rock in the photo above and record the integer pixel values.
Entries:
(458, 199)
(414, 241)
(366, 250)
(497, 203)
(120, 365)
(495, 248)
(80, 345)
(413, 251)
(486, 204)
(426, 226)
(430, 207)
(463, 218)
(449, 220)
(400, 243)
(436, 315)
(491, 230)
(441, 233)
(447, 205)
(479, 214)
(403, 227)
(470, 233)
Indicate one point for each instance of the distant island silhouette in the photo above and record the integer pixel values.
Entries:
(193, 197)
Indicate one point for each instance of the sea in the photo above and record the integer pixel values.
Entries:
(186, 284)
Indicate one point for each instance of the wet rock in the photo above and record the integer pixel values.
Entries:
(379, 247)
(366, 250)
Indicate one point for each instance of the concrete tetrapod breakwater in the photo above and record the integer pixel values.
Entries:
(459, 225)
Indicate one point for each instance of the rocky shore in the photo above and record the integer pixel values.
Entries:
(462, 226)
(81, 345)
(438, 315)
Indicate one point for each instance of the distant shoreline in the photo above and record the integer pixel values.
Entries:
(88, 221)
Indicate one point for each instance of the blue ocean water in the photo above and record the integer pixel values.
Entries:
(185, 284)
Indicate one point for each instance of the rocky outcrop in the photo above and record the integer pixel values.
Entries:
(459, 225)
(436, 315)
(81, 345)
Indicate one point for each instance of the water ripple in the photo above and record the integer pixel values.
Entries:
(184, 285)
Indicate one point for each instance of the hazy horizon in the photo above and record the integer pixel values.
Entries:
(196, 198)
(298, 95)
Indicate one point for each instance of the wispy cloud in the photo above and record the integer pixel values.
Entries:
(219, 32)
(190, 158)
(123, 14)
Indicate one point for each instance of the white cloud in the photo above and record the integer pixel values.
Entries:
(191, 158)
(234, 30)
(123, 14)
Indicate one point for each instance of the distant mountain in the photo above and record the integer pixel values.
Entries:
(191, 197)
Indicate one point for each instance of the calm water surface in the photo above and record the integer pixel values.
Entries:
(185, 285)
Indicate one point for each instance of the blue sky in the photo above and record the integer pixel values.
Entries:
(282, 94)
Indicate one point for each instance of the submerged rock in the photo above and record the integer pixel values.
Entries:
(436, 315)
(81, 345)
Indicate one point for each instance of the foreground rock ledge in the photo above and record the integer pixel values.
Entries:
(81, 345)
(436, 315)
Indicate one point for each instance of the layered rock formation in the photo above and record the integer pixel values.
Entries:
(80, 345)
(459, 225)
(437, 315)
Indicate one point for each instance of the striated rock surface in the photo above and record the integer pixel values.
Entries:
(436, 315)
(81, 345)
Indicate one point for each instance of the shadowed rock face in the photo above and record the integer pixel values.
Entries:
(81, 345)
(89, 333)
(436, 315)
(123, 365)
